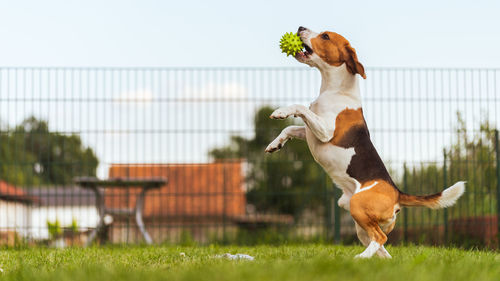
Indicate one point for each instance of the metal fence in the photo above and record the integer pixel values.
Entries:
(205, 130)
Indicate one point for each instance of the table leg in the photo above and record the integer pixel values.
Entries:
(138, 216)
(100, 208)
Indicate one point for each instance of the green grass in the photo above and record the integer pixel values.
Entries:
(301, 262)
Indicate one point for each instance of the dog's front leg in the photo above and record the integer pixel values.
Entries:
(319, 127)
(298, 132)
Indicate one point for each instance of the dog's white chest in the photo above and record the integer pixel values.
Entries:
(334, 159)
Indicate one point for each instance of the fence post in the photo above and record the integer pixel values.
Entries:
(224, 198)
(328, 208)
(336, 196)
(497, 150)
(405, 213)
(445, 185)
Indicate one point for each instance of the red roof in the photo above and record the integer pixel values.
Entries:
(10, 192)
(193, 190)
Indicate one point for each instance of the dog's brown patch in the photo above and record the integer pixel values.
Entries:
(335, 50)
(351, 132)
(347, 119)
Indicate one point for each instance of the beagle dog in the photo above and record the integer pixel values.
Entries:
(338, 138)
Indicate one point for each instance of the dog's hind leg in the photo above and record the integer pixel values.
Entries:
(377, 240)
(374, 208)
(365, 240)
(297, 132)
(382, 252)
(368, 222)
(362, 235)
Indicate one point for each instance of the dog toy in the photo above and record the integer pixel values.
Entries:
(290, 44)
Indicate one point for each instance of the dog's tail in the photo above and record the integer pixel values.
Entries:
(443, 199)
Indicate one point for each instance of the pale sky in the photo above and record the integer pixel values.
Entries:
(244, 33)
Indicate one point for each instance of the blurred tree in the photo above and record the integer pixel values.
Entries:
(32, 155)
(16, 165)
(286, 181)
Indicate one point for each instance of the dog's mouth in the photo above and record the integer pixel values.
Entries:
(306, 53)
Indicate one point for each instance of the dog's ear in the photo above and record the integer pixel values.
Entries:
(352, 63)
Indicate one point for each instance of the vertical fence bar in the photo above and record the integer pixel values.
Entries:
(336, 196)
(497, 150)
(328, 209)
(445, 213)
(405, 213)
(224, 206)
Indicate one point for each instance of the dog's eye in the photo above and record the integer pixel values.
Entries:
(325, 36)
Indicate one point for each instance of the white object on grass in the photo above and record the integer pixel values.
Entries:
(236, 257)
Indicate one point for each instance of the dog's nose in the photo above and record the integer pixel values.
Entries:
(301, 28)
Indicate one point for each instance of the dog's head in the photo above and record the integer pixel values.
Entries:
(328, 49)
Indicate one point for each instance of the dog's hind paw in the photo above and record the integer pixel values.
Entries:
(361, 256)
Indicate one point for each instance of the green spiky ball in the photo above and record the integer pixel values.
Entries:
(290, 44)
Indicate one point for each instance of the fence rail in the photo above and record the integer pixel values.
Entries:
(205, 129)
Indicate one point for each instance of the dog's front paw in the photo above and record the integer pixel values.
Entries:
(274, 146)
(282, 113)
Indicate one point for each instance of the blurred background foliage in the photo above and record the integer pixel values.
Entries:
(32, 155)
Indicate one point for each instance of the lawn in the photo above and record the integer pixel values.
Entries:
(299, 262)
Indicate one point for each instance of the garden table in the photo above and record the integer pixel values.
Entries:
(98, 187)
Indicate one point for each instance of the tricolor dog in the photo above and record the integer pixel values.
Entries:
(338, 138)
